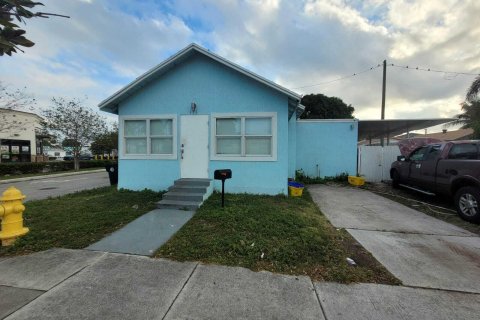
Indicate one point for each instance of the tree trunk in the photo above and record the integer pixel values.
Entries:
(76, 163)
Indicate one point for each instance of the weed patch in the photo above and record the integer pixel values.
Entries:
(274, 233)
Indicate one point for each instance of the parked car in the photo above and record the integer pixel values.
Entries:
(82, 157)
(449, 168)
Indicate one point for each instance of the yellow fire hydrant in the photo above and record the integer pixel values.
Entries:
(11, 213)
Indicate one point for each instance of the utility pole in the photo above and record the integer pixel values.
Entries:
(383, 92)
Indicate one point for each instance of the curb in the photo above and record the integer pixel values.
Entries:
(47, 176)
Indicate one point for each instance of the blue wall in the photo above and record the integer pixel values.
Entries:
(215, 89)
(147, 174)
(330, 144)
(292, 145)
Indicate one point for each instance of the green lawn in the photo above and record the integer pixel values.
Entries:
(274, 233)
(80, 219)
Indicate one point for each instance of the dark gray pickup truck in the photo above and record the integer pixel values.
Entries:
(449, 168)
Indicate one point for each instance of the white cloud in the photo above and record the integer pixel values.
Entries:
(92, 51)
(106, 44)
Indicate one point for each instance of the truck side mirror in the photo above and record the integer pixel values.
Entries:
(401, 158)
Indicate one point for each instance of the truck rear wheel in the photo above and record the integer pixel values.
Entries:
(467, 201)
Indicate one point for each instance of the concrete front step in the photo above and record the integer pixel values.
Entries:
(192, 182)
(188, 189)
(178, 204)
(185, 194)
(176, 194)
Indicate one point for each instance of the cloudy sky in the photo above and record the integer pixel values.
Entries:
(298, 44)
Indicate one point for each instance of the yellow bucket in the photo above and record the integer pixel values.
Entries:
(295, 189)
(356, 181)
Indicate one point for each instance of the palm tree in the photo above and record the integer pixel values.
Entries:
(470, 118)
(474, 90)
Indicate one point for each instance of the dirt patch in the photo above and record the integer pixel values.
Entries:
(470, 255)
(364, 259)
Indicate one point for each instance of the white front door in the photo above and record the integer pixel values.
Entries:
(194, 146)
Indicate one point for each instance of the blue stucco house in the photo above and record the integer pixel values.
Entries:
(197, 112)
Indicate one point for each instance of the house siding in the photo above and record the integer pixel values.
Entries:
(147, 174)
(215, 89)
(292, 144)
(330, 144)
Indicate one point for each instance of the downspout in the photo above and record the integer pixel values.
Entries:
(301, 107)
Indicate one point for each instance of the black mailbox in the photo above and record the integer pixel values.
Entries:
(222, 174)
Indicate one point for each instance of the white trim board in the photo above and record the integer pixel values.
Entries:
(121, 139)
(327, 120)
(215, 157)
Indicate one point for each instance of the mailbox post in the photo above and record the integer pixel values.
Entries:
(222, 174)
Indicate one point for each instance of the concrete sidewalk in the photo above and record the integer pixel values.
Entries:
(418, 249)
(80, 284)
(58, 185)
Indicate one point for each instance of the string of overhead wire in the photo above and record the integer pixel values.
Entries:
(450, 73)
(338, 79)
(433, 70)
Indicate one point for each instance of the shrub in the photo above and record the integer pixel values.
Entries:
(302, 177)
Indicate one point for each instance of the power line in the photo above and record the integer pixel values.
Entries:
(434, 70)
(338, 79)
(450, 73)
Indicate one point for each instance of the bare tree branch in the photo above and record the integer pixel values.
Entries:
(13, 99)
(78, 125)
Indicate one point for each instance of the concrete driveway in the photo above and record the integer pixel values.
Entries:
(80, 284)
(418, 249)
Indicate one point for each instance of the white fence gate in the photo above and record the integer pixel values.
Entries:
(374, 162)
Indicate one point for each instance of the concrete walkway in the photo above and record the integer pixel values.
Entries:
(80, 284)
(418, 249)
(145, 234)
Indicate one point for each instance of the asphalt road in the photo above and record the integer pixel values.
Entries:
(54, 187)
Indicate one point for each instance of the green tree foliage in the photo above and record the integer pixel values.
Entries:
(106, 143)
(470, 118)
(474, 90)
(78, 125)
(11, 36)
(319, 106)
(70, 143)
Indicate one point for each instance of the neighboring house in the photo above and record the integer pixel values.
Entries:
(18, 141)
(445, 135)
(197, 112)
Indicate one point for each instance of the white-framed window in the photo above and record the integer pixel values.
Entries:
(148, 137)
(244, 136)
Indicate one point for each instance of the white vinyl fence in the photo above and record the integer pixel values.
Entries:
(374, 162)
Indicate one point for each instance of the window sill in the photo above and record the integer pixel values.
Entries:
(148, 157)
(244, 159)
